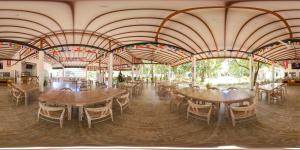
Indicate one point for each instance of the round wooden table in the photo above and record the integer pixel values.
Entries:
(80, 99)
(217, 97)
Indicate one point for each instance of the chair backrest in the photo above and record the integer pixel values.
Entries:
(245, 110)
(43, 108)
(102, 111)
(232, 88)
(66, 89)
(16, 92)
(213, 88)
(196, 87)
(197, 107)
(125, 95)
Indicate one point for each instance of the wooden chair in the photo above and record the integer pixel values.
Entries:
(199, 110)
(232, 88)
(258, 92)
(99, 113)
(177, 100)
(196, 87)
(51, 113)
(213, 88)
(242, 112)
(33, 80)
(10, 91)
(66, 89)
(17, 96)
(123, 101)
(277, 96)
(84, 87)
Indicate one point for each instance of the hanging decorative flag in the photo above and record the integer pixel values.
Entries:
(285, 64)
(77, 49)
(8, 63)
(55, 52)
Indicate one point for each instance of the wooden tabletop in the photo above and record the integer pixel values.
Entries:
(167, 84)
(80, 98)
(25, 87)
(217, 96)
(270, 86)
(130, 85)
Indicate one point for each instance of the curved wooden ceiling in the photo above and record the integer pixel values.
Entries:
(80, 33)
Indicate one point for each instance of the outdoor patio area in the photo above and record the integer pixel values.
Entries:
(149, 122)
(149, 74)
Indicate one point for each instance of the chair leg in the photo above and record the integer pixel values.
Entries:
(121, 110)
(233, 121)
(89, 123)
(178, 107)
(61, 122)
(187, 116)
(170, 106)
(208, 119)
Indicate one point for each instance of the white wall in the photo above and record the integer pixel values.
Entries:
(5, 69)
(21, 68)
(8, 69)
(289, 69)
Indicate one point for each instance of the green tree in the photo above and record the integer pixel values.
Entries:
(208, 68)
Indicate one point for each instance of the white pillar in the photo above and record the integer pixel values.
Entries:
(18, 71)
(137, 71)
(40, 70)
(132, 72)
(63, 72)
(110, 69)
(152, 73)
(251, 71)
(193, 70)
(169, 72)
(273, 72)
(86, 70)
(101, 78)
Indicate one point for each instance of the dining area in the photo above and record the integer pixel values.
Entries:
(148, 113)
(210, 103)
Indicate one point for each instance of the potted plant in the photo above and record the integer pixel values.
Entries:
(120, 77)
(208, 86)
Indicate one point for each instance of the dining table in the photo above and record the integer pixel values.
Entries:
(80, 99)
(26, 89)
(216, 97)
(129, 86)
(269, 88)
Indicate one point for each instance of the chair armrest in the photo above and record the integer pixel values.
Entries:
(244, 108)
(54, 108)
(95, 109)
(62, 114)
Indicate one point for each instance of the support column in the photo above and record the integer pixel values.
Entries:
(18, 71)
(273, 72)
(40, 70)
(132, 72)
(193, 70)
(63, 72)
(86, 70)
(101, 77)
(251, 79)
(169, 72)
(110, 69)
(152, 74)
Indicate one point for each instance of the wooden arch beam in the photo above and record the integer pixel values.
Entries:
(226, 7)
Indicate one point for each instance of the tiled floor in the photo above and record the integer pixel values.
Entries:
(149, 122)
